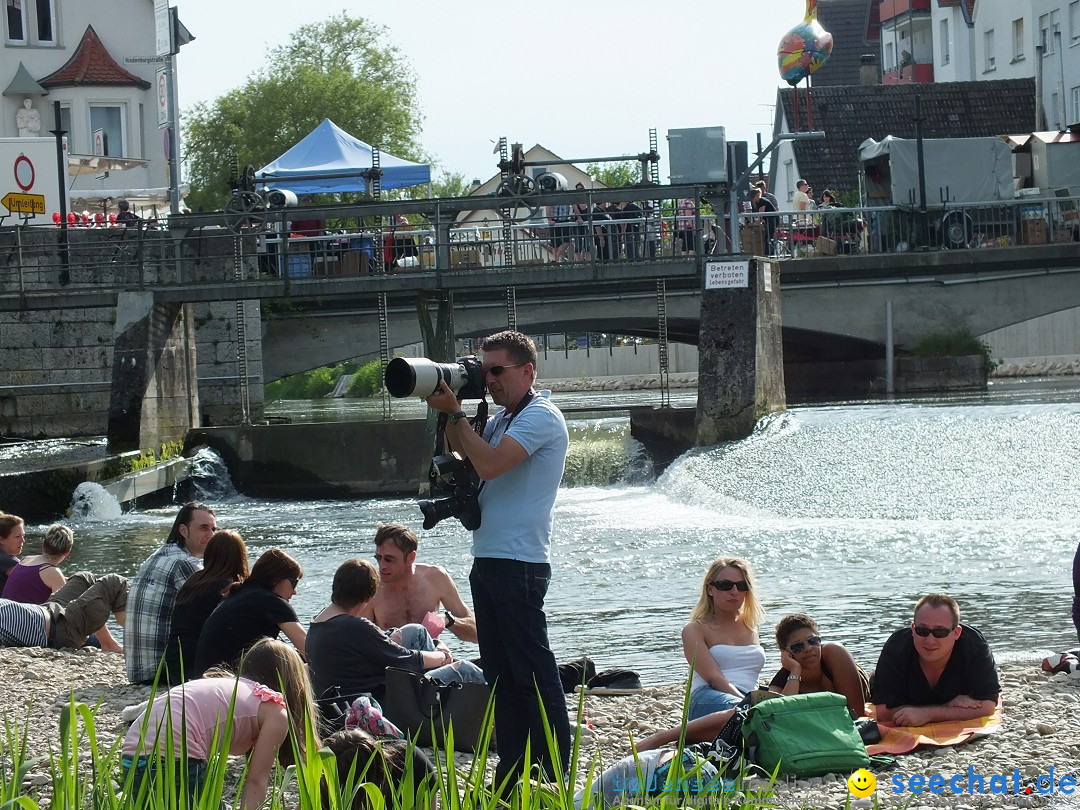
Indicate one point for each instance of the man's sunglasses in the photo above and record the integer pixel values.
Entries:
(496, 371)
(728, 584)
(799, 646)
(923, 631)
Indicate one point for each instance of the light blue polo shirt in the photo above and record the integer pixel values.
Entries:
(516, 508)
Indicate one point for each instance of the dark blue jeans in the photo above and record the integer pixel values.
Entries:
(508, 602)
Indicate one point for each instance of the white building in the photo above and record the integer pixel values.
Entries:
(1004, 41)
(977, 40)
(98, 60)
(1056, 34)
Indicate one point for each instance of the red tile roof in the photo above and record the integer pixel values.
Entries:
(969, 6)
(92, 64)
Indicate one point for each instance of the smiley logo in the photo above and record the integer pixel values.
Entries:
(862, 783)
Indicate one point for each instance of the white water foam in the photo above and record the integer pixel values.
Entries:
(91, 501)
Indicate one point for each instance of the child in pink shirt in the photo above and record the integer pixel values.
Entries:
(261, 721)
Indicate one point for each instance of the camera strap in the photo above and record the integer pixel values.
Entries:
(522, 404)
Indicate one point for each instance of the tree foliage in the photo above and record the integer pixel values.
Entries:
(450, 184)
(616, 175)
(342, 68)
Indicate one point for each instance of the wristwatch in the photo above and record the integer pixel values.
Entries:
(450, 620)
(457, 417)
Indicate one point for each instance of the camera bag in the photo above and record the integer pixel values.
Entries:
(804, 735)
(425, 709)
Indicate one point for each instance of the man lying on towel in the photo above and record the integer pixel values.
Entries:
(936, 670)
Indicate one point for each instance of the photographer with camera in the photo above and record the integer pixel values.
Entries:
(519, 460)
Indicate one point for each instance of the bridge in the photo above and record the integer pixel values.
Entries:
(66, 296)
(833, 306)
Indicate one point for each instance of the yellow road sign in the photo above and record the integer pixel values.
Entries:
(24, 203)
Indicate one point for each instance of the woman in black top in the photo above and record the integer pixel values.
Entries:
(225, 562)
(257, 608)
(812, 665)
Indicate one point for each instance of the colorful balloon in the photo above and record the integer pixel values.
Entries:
(804, 48)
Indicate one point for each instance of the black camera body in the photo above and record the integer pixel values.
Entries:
(452, 474)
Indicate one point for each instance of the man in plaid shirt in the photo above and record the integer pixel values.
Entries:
(153, 591)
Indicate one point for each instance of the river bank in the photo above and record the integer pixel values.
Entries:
(1039, 729)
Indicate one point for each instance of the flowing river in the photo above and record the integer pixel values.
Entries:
(848, 512)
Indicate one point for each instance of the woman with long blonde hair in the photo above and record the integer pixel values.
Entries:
(720, 641)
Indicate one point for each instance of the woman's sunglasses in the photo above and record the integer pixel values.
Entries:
(496, 371)
(728, 584)
(923, 631)
(799, 646)
(295, 582)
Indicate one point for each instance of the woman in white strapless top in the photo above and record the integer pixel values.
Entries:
(720, 641)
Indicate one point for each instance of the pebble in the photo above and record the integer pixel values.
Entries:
(1035, 703)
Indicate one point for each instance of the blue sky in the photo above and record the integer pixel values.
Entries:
(585, 78)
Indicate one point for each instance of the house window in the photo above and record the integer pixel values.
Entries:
(46, 22)
(1074, 117)
(1054, 112)
(1074, 21)
(1018, 39)
(789, 179)
(945, 53)
(65, 122)
(16, 29)
(1046, 37)
(890, 56)
(988, 43)
(109, 119)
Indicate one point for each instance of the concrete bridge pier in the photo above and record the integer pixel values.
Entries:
(740, 354)
(154, 396)
(740, 366)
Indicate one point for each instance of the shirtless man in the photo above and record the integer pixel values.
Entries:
(411, 591)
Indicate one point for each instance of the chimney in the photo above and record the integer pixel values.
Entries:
(868, 69)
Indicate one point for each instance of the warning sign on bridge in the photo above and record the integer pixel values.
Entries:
(720, 275)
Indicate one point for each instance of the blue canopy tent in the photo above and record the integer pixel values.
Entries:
(330, 160)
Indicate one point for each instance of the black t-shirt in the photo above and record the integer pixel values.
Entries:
(186, 627)
(899, 680)
(242, 618)
(352, 653)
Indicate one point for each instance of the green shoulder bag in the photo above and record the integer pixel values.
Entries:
(805, 735)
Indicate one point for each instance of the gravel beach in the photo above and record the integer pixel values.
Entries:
(1040, 730)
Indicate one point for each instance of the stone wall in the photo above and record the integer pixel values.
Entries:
(55, 372)
(56, 365)
(219, 367)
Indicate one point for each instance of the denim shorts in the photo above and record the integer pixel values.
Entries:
(706, 700)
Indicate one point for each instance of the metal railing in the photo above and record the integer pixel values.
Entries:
(896, 229)
(589, 229)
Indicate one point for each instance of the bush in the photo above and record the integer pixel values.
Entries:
(366, 381)
(313, 384)
(957, 343)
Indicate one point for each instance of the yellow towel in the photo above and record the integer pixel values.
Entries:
(902, 739)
